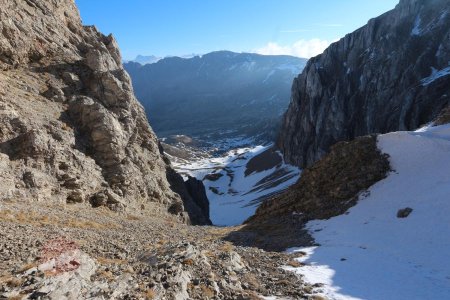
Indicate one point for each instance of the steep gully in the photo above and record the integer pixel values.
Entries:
(389, 75)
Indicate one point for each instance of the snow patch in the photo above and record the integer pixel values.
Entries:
(232, 67)
(416, 29)
(435, 74)
(370, 253)
(248, 65)
(268, 76)
(295, 69)
(234, 197)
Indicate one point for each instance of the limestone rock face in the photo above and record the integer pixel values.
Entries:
(392, 74)
(71, 129)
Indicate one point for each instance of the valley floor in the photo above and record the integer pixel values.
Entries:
(239, 180)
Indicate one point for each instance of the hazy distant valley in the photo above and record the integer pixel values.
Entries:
(217, 116)
(216, 96)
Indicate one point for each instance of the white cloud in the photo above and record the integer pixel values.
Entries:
(301, 48)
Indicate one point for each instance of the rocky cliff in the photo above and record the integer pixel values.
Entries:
(71, 129)
(392, 74)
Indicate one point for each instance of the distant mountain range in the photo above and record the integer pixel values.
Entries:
(218, 95)
(151, 59)
(144, 60)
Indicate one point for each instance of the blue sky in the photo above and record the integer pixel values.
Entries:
(180, 27)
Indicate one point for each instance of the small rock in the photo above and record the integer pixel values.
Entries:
(404, 213)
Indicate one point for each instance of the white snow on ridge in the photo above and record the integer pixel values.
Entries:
(416, 29)
(372, 254)
(435, 74)
(420, 29)
(268, 76)
(232, 196)
(295, 69)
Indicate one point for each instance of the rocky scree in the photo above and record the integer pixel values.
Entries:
(76, 252)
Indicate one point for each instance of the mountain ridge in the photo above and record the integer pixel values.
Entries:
(356, 87)
(215, 94)
(72, 130)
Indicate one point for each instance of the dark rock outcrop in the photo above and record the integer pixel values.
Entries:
(194, 197)
(197, 191)
(404, 212)
(71, 129)
(264, 161)
(443, 117)
(328, 188)
(392, 74)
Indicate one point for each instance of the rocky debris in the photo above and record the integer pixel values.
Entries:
(277, 234)
(389, 75)
(39, 282)
(71, 130)
(180, 151)
(75, 252)
(328, 188)
(404, 213)
(444, 117)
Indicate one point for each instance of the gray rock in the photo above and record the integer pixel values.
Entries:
(234, 262)
(404, 213)
(375, 80)
(69, 116)
(70, 285)
(194, 197)
(75, 197)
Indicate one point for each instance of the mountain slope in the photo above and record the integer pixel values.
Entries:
(72, 130)
(376, 252)
(326, 189)
(220, 93)
(391, 74)
(238, 181)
